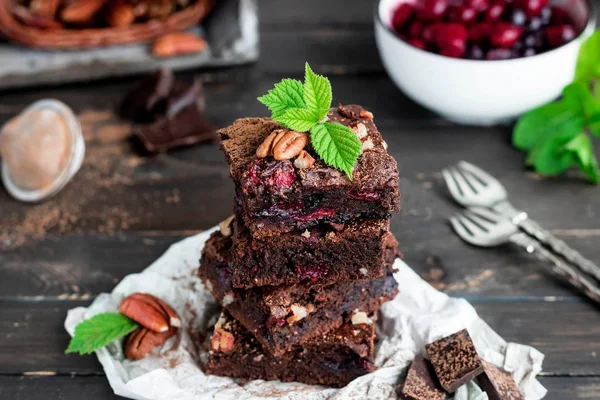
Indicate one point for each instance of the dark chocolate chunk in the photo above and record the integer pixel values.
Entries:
(420, 382)
(498, 383)
(188, 127)
(455, 360)
(147, 97)
(183, 95)
(351, 111)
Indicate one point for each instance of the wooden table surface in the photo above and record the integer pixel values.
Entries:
(125, 208)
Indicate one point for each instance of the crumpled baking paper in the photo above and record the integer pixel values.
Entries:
(419, 315)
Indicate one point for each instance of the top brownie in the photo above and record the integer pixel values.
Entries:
(277, 196)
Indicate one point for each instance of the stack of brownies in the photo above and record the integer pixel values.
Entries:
(305, 263)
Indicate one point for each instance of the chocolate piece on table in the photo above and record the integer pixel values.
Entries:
(147, 97)
(498, 383)
(188, 127)
(455, 360)
(333, 359)
(183, 95)
(282, 317)
(421, 383)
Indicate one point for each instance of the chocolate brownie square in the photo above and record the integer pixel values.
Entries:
(323, 253)
(281, 317)
(277, 196)
(333, 359)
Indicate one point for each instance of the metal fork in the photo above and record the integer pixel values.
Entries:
(485, 228)
(473, 187)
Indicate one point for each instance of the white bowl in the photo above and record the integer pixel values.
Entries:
(478, 92)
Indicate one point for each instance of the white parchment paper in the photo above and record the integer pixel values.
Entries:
(419, 315)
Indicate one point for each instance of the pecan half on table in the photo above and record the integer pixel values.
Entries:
(158, 322)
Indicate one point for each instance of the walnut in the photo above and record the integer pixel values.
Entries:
(222, 341)
(366, 114)
(304, 160)
(299, 312)
(290, 145)
(364, 271)
(361, 130)
(225, 226)
(360, 317)
(150, 312)
(367, 144)
(306, 234)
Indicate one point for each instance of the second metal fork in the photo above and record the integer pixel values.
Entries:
(485, 228)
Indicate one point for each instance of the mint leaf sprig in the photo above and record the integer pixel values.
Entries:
(558, 135)
(98, 331)
(303, 108)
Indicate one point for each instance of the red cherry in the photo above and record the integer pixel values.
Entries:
(477, 5)
(505, 35)
(560, 34)
(417, 43)
(431, 9)
(466, 15)
(401, 15)
(494, 12)
(415, 29)
(429, 33)
(451, 38)
(480, 32)
(559, 16)
(532, 8)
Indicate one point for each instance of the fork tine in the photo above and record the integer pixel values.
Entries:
(478, 172)
(483, 223)
(487, 214)
(451, 184)
(463, 185)
(459, 228)
(473, 180)
(468, 224)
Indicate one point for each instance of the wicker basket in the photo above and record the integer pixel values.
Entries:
(67, 39)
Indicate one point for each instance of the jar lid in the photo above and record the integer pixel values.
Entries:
(44, 147)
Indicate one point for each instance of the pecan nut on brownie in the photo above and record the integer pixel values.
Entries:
(281, 196)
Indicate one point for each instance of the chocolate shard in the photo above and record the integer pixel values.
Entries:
(184, 95)
(421, 383)
(455, 360)
(498, 383)
(147, 97)
(188, 127)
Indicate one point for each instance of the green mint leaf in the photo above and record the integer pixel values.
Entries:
(98, 331)
(317, 93)
(583, 149)
(298, 119)
(545, 122)
(588, 60)
(551, 157)
(289, 93)
(337, 145)
(580, 99)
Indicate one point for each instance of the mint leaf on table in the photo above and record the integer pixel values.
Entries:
(304, 108)
(583, 150)
(551, 157)
(337, 145)
(535, 126)
(98, 331)
(317, 93)
(588, 60)
(289, 93)
(298, 119)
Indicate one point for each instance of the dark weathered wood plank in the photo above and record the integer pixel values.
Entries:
(568, 333)
(97, 388)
